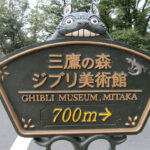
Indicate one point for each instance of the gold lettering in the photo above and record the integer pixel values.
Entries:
(128, 96)
(24, 98)
(75, 97)
(59, 110)
(62, 98)
(42, 98)
(89, 117)
(31, 98)
(93, 97)
(106, 97)
(86, 79)
(134, 97)
(120, 97)
(78, 97)
(56, 60)
(81, 97)
(52, 97)
(77, 112)
(69, 112)
(73, 61)
(116, 96)
(37, 98)
(103, 61)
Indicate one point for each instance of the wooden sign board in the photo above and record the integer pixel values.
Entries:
(76, 87)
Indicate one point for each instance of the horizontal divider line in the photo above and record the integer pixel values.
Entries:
(65, 92)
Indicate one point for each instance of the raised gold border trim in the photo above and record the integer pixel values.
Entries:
(83, 131)
(74, 91)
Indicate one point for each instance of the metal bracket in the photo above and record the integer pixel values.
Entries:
(81, 142)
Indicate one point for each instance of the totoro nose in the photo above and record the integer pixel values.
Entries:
(83, 23)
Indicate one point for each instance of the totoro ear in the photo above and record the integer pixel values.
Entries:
(95, 9)
(68, 9)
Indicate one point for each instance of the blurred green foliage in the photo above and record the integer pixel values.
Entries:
(132, 37)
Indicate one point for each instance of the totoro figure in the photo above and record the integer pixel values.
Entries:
(81, 24)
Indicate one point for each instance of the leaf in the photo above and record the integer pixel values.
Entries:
(127, 124)
(6, 73)
(133, 123)
(25, 126)
(130, 119)
(29, 121)
(32, 126)
(23, 120)
(135, 118)
(3, 78)
(5, 67)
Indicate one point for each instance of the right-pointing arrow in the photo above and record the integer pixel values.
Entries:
(105, 115)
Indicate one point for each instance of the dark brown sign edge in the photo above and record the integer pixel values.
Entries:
(23, 132)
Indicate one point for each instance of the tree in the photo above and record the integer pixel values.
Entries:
(37, 22)
(126, 14)
(132, 37)
(12, 21)
(128, 21)
(53, 11)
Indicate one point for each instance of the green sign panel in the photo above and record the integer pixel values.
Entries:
(76, 87)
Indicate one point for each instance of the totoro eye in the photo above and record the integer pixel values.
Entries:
(94, 21)
(69, 21)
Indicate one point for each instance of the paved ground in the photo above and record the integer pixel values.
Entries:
(9, 140)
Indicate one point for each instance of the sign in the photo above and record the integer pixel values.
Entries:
(76, 87)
